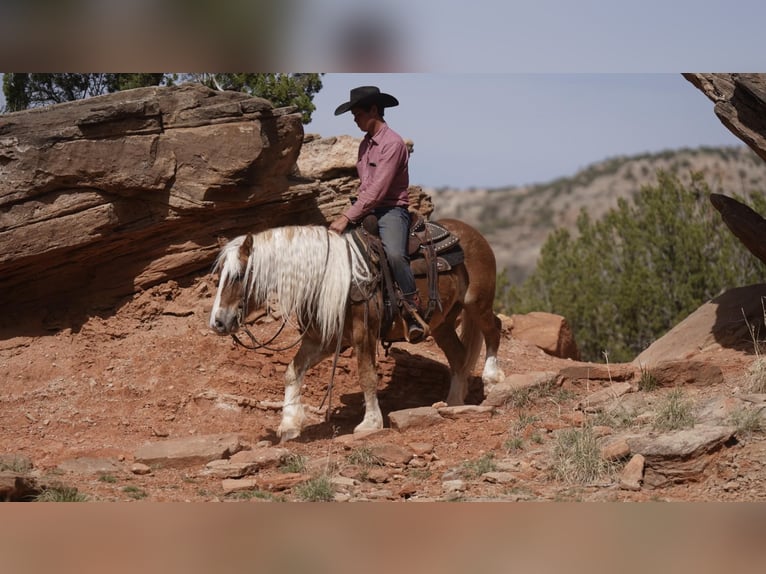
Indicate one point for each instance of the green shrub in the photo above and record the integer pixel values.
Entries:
(61, 494)
(625, 280)
(293, 463)
(577, 456)
(318, 489)
(475, 468)
(755, 378)
(674, 412)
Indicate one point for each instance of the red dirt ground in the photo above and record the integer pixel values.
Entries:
(136, 375)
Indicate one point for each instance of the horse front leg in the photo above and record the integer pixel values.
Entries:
(293, 415)
(365, 341)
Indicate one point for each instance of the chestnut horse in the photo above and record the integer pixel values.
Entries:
(323, 279)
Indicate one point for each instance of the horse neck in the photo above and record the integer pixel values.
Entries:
(308, 269)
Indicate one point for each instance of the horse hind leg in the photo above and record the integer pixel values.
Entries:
(484, 326)
(490, 327)
(293, 415)
(463, 351)
(453, 348)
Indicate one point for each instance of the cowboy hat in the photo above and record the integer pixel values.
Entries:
(367, 95)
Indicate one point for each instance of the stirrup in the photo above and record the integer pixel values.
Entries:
(415, 332)
(415, 327)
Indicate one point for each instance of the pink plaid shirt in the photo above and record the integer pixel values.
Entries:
(383, 172)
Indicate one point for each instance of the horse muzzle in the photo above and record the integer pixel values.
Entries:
(224, 322)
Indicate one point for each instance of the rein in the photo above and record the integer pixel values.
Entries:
(256, 344)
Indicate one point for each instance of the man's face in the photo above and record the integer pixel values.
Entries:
(364, 119)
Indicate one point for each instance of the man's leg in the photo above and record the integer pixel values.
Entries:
(394, 224)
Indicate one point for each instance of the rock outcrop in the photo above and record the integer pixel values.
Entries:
(740, 104)
(106, 196)
(103, 197)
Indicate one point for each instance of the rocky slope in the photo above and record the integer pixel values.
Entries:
(148, 404)
(517, 220)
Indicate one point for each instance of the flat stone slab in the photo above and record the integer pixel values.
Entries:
(597, 399)
(418, 417)
(500, 394)
(681, 443)
(186, 452)
(480, 412)
(679, 456)
(247, 462)
(391, 453)
(362, 437)
(88, 465)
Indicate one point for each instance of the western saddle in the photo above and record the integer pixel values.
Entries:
(432, 248)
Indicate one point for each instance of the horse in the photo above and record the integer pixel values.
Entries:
(324, 280)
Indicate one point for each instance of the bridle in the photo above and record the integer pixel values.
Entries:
(242, 313)
(255, 344)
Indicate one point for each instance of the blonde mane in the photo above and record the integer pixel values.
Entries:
(310, 269)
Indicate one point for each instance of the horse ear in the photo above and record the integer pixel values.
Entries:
(246, 248)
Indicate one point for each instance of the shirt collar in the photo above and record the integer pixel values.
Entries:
(375, 138)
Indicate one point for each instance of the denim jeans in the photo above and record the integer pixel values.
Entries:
(394, 225)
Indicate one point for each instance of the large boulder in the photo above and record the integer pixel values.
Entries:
(103, 197)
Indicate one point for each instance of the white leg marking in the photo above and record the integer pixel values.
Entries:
(492, 374)
(373, 418)
(292, 409)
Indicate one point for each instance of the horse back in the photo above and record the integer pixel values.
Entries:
(479, 260)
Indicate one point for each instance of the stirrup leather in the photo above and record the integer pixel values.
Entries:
(411, 309)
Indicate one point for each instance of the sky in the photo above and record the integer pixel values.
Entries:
(515, 129)
(533, 36)
(497, 130)
(493, 93)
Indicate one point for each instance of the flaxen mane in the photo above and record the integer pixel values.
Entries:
(308, 268)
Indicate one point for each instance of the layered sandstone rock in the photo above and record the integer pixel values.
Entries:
(103, 197)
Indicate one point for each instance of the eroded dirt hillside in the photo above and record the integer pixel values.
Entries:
(77, 407)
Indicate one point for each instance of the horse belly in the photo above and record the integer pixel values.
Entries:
(452, 288)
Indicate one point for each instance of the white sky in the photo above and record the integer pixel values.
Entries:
(494, 130)
(524, 91)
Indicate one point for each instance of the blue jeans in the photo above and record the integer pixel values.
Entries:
(394, 226)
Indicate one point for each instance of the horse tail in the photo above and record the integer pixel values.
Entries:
(471, 337)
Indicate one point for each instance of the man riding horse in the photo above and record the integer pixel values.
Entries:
(382, 165)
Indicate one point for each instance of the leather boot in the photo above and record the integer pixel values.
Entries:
(415, 331)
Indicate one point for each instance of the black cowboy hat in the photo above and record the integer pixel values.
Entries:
(367, 95)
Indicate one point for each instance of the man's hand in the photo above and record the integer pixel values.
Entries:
(339, 224)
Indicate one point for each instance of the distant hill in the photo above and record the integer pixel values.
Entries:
(517, 220)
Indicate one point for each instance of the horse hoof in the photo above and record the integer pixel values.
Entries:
(368, 427)
(288, 434)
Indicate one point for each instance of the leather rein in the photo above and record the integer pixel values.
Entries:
(255, 343)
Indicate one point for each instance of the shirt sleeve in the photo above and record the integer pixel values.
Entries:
(377, 179)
